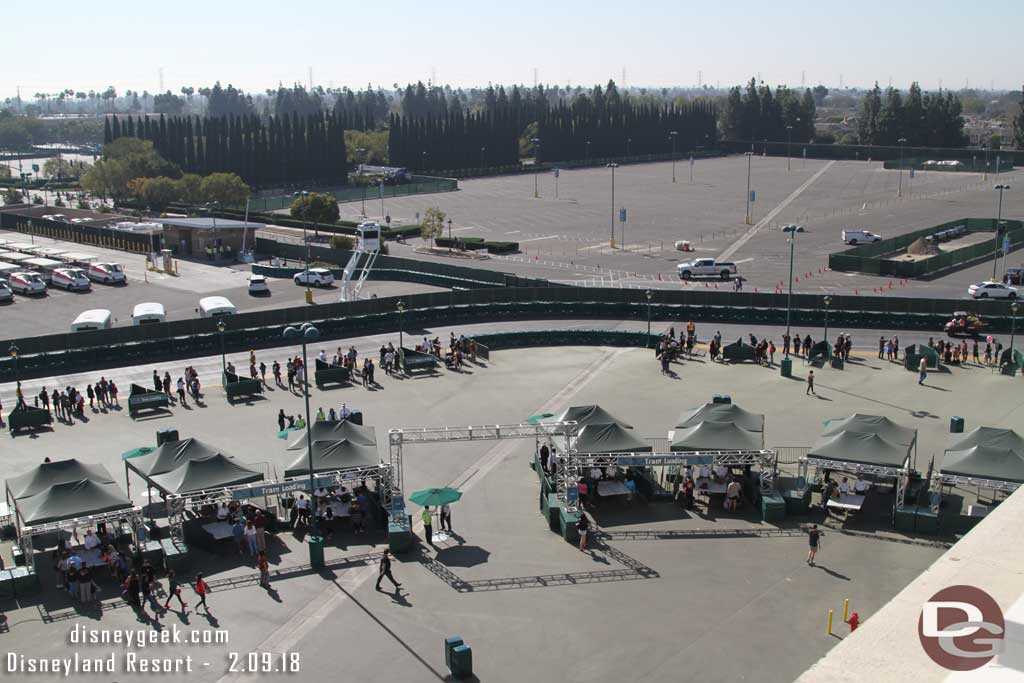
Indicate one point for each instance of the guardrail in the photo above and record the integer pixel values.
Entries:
(120, 346)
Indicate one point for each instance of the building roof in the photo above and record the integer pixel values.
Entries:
(206, 223)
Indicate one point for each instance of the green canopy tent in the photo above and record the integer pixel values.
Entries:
(49, 474)
(722, 412)
(587, 415)
(71, 500)
(170, 456)
(1002, 439)
(859, 448)
(609, 438)
(872, 424)
(716, 436)
(336, 430)
(985, 463)
(201, 474)
(334, 456)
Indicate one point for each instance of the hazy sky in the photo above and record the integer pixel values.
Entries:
(256, 44)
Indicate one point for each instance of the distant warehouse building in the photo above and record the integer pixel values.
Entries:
(213, 238)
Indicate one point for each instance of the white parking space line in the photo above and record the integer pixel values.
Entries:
(534, 239)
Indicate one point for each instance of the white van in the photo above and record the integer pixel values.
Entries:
(148, 313)
(860, 236)
(43, 266)
(216, 306)
(94, 319)
(70, 279)
(26, 282)
(110, 273)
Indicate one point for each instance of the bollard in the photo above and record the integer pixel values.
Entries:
(846, 609)
(830, 622)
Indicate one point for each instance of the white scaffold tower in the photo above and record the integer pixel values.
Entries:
(368, 244)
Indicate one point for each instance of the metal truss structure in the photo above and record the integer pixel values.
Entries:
(900, 474)
(132, 515)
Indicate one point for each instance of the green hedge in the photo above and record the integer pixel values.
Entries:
(477, 243)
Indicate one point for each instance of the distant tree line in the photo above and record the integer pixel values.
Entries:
(1018, 123)
(930, 120)
(757, 113)
(275, 150)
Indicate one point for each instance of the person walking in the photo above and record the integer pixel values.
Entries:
(385, 570)
(250, 537)
(202, 590)
(281, 419)
(259, 522)
(814, 540)
(173, 590)
(276, 367)
(264, 567)
(771, 353)
(922, 370)
(582, 527)
(810, 384)
(428, 530)
(181, 391)
(263, 372)
(446, 517)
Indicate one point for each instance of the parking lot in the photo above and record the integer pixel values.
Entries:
(567, 237)
(55, 311)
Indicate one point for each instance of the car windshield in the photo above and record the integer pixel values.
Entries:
(35, 278)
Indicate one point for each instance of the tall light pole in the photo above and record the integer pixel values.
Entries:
(999, 221)
(628, 140)
(828, 302)
(362, 152)
(789, 141)
(587, 158)
(899, 191)
(1014, 308)
(672, 136)
(221, 326)
(303, 197)
(449, 236)
(787, 366)
(13, 350)
(483, 151)
(613, 166)
(650, 295)
(401, 319)
(536, 166)
(750, 155)
(308, 333)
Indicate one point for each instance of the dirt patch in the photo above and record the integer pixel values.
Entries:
(920, 247)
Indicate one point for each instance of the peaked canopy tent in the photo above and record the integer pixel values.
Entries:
(722, 412)
(65, 495)
(873, 424)
(609, 438)
(336, 430)
(721, 436)
(988, 457)
(200, 474)
(169, 456)
(334, 456)
(588, 415)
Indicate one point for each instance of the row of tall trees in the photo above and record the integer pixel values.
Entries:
(1018, 123)
(454, 141)
(758, 113)
(923, 120)
(263, 151)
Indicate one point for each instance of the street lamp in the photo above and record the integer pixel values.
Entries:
(899, 191)
(401, 318)
(613, 166)
(999, 221)
(303, 197)
(223, 359)
(449, 236)
(672, 136)
(308, 333)
(483, 151)
(787, 367)
(1014, 308)
(750, 155)
(362, 204)
(628, 140)
(536, 165)
(13, 350)
(827, 301)
(587, 160)
(650, 295)
(789, 141)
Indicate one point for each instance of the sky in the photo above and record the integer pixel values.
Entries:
(257, 44)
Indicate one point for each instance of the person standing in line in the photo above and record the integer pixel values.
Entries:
(881, 346)
(91, 394)
(922, 369)
(810, 384)
(428, 530)
(202, 590)
(181, 391)
(446, 517)
(582, 527)
(814, 540)
(260, 524)
(976, 358)
(264, 567)
(173, 590)
(113, 394)
(276, 367)
(385, 570)
(250, 537)
(238, 532)
(263, 373)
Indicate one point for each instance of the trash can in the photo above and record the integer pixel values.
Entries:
(316, 552)
(449, 646)
(956, 425)
(786, 367)
(837, 362)
(462, 662)
(722, 398)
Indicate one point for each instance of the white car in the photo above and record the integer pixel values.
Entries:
(70, 279)
(27, 282)
(860, 236)
(992, 290)
(315, 277)
(258, 284)
(5, 292)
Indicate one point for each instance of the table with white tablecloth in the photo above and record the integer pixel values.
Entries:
(612, 488)
(219, 530)
(710, 486)
(849, 502)
(92, 557)
(338, 508)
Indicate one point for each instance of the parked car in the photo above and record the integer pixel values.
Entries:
(110, 273)
(992, 290)
(70, 279)
(27, 282)
(1014, 276)
(258, 284)
(5, 292)
(705, 267)
(315, 277)
(860, 236)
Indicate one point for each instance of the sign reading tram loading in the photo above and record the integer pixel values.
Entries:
(961, 628)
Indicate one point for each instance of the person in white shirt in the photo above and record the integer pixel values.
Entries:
(861, 486)
(323, 355)
(595, 473)
(705, 472)
(91, 540)
(844, 487)
(721, 471)
(222, 512)
(732, 495)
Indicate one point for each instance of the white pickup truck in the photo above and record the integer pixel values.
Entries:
(706, 267)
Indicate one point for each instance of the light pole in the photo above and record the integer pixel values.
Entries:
(999, 220)
(303, 197)
(449, 236)
(827, 301)
(787, 364)
(401, 318)
(672, 136)
(221, 326)
(650, 295)
(628, 140)
(587, 160)
(308, 333)
(536, 166)
(789, 141)
(362, 204)
(13, 350)
(750, 155)
(483, 151)
(613, 166)
(899, 191)
(1014, 308)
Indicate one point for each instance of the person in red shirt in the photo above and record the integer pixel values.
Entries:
(202, 590)
(264, 568)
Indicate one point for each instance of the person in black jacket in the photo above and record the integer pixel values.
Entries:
(385, 570)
